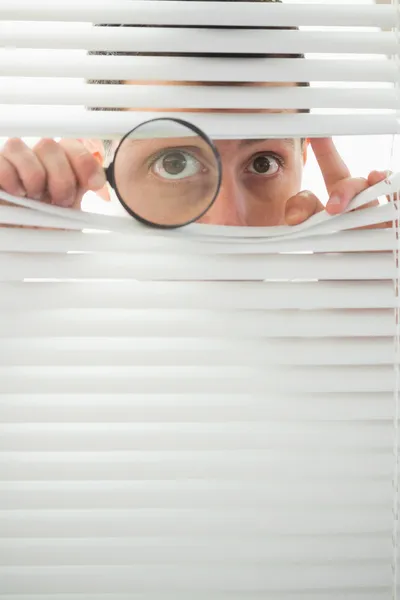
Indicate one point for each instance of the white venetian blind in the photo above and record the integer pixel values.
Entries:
(210, 413)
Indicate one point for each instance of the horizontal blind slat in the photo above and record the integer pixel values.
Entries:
(380, 593)
(170, 39)
(128, 523)
(15, 267)
(213, 352)
(189, 437)
(192, 408)
(201, 13)
(229, 97)
(150, 68)
(303, 464)
(215, 295)
(201, 323)
(115, 125)
(206, 578)
(30, 552)
(194, 494)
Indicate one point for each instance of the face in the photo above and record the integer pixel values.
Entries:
(258, 178)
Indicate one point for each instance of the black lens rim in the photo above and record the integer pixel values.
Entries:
(110, 172)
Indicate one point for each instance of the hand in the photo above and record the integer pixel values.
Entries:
(55, 173)
(341, 187)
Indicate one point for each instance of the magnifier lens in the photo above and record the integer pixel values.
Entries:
(166, 173)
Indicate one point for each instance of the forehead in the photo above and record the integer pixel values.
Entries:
(212, 83)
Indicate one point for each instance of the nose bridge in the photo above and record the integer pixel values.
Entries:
(229, 207)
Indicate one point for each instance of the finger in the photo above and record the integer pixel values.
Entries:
(61, 181)
(343, 192)
(9, 180)
(301, 207)
(87, 169)
(29, 169)
(376, 177)
(332, 166)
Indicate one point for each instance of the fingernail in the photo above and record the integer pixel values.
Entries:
(97, 180)
(68, 202)
(334, 203)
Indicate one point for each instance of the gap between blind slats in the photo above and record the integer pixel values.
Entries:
(229, 97)
(149, 68)
(356, 265)
(213, 352)
(240, 14)
(197, 408)
(167, 40)
(67, 123)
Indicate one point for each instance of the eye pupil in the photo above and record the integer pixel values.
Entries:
(261, 164)
(174, 163)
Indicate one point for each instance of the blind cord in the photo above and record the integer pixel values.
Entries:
(397, 342)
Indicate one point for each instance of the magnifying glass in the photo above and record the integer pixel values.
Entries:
(166, 173)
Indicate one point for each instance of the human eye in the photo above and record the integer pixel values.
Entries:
(265, 164)
(176, 164)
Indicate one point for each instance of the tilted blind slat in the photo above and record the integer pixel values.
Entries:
(25, 240)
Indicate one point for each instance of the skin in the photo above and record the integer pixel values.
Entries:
(61, 173)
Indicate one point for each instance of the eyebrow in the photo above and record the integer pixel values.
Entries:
(286, 141)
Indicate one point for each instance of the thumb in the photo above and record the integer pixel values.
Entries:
(301, 207)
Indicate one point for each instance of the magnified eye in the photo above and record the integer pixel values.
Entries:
(176, 164)
(264, 164)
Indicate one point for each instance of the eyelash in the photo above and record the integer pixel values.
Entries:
(153, 159)
(279, 159)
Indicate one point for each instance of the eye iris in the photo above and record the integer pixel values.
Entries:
(262, 164)
(174, 163)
